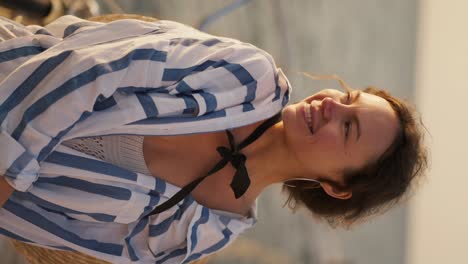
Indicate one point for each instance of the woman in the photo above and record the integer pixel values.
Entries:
(185, 103)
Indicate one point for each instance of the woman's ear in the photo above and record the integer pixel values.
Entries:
(335, 193)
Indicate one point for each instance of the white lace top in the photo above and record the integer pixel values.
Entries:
(121, 150)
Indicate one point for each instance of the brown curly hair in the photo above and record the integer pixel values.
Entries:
(379, 185)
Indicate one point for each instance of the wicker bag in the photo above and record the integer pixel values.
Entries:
(40, 255)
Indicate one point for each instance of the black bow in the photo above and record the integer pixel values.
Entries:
(241, 181)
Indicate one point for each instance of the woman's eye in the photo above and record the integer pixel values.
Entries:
(347, 128)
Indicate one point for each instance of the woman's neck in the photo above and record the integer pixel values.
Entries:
(269, 160)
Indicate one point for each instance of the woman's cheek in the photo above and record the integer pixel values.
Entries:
(328, 138)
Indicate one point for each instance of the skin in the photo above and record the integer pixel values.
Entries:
(5, 190)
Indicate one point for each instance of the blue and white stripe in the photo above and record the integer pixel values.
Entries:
(75, 78)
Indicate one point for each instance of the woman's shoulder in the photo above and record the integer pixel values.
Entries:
(190, 36)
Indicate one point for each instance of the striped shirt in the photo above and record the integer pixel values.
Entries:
(75, 78)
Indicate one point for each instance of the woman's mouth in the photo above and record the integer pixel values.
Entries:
(308, 117)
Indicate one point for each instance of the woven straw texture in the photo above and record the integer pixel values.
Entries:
(40, 255)
(112, 17)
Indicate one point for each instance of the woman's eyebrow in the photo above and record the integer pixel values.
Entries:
(358, 94)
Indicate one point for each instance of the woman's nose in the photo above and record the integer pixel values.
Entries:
(327, 108)
(330, 107)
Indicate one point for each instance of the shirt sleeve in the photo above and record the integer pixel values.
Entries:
(49, 93)
(211, 84)
(220, 73)
(184, 234)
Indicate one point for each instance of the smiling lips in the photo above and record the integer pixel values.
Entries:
(308, 117)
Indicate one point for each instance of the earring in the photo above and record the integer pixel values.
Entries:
(303, 183)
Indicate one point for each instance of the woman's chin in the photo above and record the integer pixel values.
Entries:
(289, 114)
(293, 121)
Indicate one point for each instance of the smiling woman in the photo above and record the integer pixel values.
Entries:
(150, 142)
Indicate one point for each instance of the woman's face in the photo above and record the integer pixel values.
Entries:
(342, 132)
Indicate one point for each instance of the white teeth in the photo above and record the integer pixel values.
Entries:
(308, 116)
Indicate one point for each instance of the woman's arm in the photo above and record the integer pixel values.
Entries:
(5, 191)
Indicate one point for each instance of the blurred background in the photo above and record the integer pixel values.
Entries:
(418, 50)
